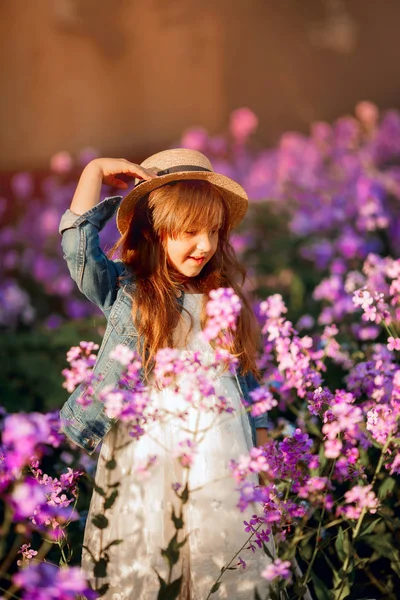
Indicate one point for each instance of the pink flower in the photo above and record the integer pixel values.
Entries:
(142, 470)
(27, 554)
(363, 498)
(222, 311)
(332, 448)
(243, 122)
(382, 422)
(368, 113)
(393, 343)
(122, 354)
(277, 569)
(195, 138)
(61, 163)
(263, 401)
(185, 453)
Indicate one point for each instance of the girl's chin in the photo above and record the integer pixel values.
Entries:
(191, 269)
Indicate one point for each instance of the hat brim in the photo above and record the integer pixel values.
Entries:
(235, 195)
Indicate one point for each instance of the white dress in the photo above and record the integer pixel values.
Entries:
(141, 515)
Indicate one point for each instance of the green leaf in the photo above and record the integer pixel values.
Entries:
(395, 564)
(171, 590)
(215, 587)
(321, 456)
(100, 568)
(342, 545)
(100, 521)
(111, 499)
(111, 464)
(177, 521)
(321, 591)
(299, 589)
(386, 487)
(368, 528)
(342, 591)
(383, 544)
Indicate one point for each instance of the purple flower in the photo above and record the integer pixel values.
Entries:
(25, 497)
(44, 581)
(263, 401)
(22, 435)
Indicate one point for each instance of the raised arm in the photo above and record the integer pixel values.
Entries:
(95, 275)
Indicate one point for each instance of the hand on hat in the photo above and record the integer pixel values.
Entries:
(110, 167)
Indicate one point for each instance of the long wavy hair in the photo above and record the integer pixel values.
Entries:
(168, 212)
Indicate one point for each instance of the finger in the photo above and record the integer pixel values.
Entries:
(118, 183)
(140, 173)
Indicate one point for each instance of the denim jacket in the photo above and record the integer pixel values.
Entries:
(104, 282)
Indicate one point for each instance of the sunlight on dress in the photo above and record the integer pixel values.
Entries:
(141, 515)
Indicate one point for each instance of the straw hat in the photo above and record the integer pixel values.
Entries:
(177, 165)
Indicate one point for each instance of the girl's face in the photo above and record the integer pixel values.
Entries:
(190, 251)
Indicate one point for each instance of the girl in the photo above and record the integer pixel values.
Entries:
(174, 249)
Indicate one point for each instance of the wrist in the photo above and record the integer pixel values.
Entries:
(93, 170)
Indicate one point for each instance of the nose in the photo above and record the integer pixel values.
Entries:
(203, 242)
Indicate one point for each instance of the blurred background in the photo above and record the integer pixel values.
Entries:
(127, 77)
(235, 79)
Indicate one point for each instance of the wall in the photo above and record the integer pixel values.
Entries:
(127, 76)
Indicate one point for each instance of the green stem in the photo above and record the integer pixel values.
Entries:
(233, 558)
(314, 556)
(377, 470)
(10, 592)
(11, 555)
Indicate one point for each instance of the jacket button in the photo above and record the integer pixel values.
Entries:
(90, 442)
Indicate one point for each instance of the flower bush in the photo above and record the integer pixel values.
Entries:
(322, 245)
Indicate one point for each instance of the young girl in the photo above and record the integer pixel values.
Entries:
(174, 249)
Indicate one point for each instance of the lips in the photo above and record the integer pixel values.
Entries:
(198, 259)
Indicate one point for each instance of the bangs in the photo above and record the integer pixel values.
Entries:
(187, 206)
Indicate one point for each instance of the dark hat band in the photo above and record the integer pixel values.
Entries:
(178, 169)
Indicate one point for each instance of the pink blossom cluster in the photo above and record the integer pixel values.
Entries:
(197, 388)
(82, 359)
(222, 311)
(129, 400)
(342, 420)
(290, 362)
(262, 401)
(27, 554)
(360, 498)
(278, 569)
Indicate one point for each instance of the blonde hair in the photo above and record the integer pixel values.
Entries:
(167, 212)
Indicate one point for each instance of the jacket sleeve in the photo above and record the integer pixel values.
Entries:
(95, 275)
